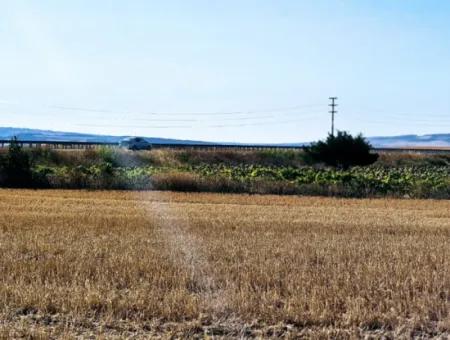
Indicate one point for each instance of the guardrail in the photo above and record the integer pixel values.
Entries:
(225, 146)
(94, 145)
(57, 144)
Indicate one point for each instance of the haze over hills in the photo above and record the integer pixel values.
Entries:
(49, 135)
(431, 140)
(439, 139)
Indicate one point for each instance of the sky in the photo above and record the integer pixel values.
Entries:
(255, 71)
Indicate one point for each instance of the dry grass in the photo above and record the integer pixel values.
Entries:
(77, 263)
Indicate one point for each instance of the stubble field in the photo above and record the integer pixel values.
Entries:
(149, 264)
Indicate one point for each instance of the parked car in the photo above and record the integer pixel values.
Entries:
(135, 143)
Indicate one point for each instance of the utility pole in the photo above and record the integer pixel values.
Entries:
(333, 111)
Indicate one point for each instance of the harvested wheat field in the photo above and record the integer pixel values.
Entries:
(151, 264)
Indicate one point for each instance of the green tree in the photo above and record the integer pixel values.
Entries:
(342, 150)
(17, 166)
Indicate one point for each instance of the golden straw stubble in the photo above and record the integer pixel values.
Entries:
(152, 263)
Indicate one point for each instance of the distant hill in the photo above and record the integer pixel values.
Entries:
(434, 140)
(48, 135)
(412, 140)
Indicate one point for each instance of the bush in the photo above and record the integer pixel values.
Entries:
(176, 181)
(342, 151)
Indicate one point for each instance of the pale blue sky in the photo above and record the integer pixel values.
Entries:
(388, 62)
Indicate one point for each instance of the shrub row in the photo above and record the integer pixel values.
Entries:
(356, 182)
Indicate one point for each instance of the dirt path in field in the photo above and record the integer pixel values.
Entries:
(185, 250)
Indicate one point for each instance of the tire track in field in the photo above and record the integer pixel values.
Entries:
(185, 251)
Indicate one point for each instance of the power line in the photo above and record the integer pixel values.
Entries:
(240, 112)
(254, 124)
(403, 118)
(285, 109)
(310, 114)
(401, 114)
(163, 120)
(198, 126)
(245, 118)
(138, 126)
(216, 119)
(274, 110)
(404, 122)
(237, 112)
(154, 118)
(66, 108)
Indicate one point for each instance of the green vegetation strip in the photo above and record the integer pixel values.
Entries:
(421, 181)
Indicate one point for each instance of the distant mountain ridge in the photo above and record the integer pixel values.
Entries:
(49, 135)
(435, 140)
(430, 140)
